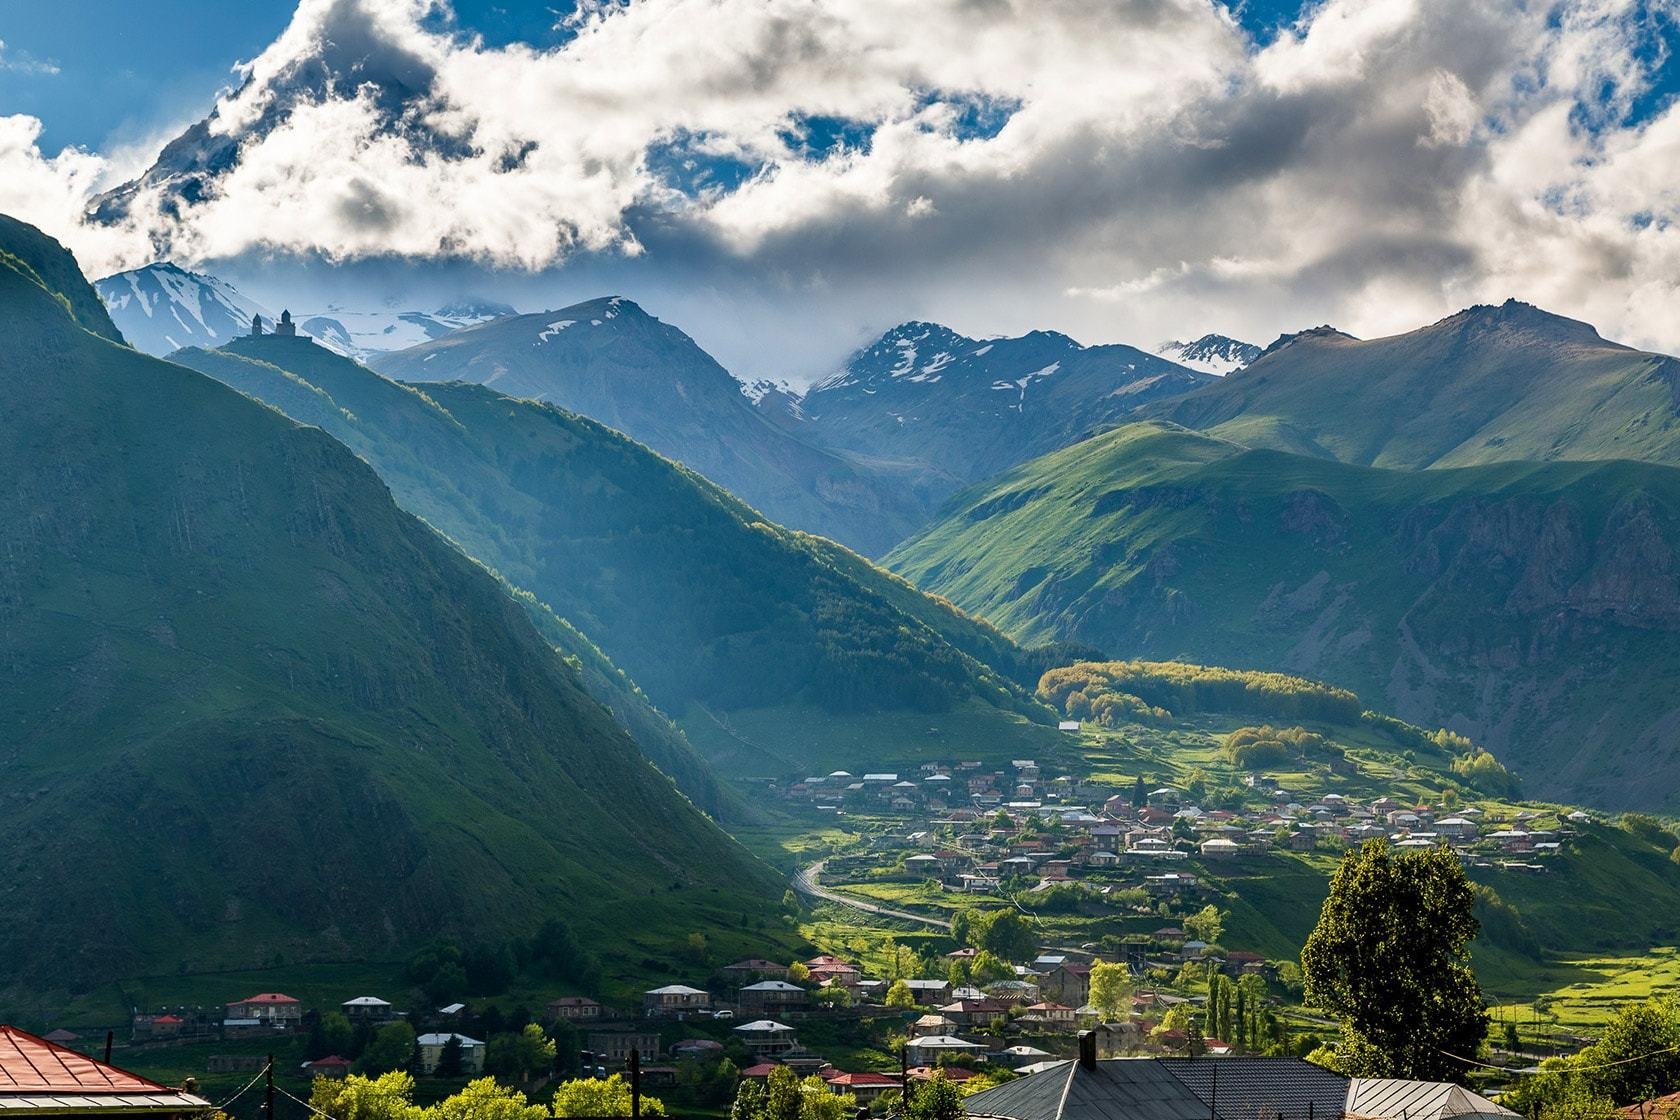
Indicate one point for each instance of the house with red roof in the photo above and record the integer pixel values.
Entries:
(864, 1086)
(40, 1078)
(330, 1066)
(271, 1009)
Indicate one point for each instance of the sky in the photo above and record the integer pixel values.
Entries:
(785, 178)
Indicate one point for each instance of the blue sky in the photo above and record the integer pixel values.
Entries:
(125, 68)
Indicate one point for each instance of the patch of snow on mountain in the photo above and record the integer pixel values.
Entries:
(553, 329)
(1212, 353)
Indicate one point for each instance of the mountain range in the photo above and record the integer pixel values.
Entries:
(613, 362)
(162, 307)
(257, 712)
(705, 604)
(1533, 606)
(949, 410)
(1489, 384)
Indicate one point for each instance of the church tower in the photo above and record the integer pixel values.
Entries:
(285, 328)
(256, 326)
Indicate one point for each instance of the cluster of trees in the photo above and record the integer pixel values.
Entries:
(1653, 832)
(1389, 961)
(391, 1097)
(783, 1096)
(1002, 933)
(1164, 688)
(1636, 1059)
(1480, 769)
(1254, 748)
(1237, 1013)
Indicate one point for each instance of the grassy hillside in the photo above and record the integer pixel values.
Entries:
(705, 604)
(255, 713)
(1534, 606)
(1489, 384)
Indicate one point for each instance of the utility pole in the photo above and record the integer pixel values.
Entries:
(635, 1083)
(268, 1091)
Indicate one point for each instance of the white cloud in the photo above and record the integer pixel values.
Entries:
(22, 62)
(1381, 163)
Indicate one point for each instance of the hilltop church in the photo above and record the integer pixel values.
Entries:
(285, 328)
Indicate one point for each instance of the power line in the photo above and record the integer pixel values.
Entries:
(1566, 1068)
(244, 1090)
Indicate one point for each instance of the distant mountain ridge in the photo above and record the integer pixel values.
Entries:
(611, 361)
(256, 712)
(162, 308)
(1535, 607)
(948, 410)
(1211, 353)
(1491, 383)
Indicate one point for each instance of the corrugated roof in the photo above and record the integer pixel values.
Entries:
(1383, 1098)
(33, 1065)
(1170, 1089)
(1263, 1088)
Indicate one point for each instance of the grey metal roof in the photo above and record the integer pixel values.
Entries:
(1235, 1088)
(1245, 1088)
(1382, 1098)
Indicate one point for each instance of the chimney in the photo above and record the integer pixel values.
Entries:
(1088, 1049)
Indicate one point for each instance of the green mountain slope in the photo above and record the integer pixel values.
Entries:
(1489, 384)
(613, 362)
(706, 605)
(1535, 607)
(254, 712)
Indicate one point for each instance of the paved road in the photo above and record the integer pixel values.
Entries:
(805, 882)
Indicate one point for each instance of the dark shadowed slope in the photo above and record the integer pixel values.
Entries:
(254, 711)
(704, 603)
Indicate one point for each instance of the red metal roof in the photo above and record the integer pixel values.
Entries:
(33, 1065)
(862, 1080)
(263, 997)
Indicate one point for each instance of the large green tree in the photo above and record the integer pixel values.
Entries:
(1389, 960)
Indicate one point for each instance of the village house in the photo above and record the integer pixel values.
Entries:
(772, 996)
(367, 1009)
(574, 1009)
(431, 1052)
(614, 1046)
(272, 1010)
(40, 1079)
(765, 1038)
(931, 1050)
(753, 968)
(675, 1000)
(1056, 1016)
(331, 1066)
(866, 1087)
(929, 992)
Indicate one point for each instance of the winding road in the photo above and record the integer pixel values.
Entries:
(805, 883)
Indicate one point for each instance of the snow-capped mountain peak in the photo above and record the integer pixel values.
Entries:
(1211, 353)
(162, 307)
